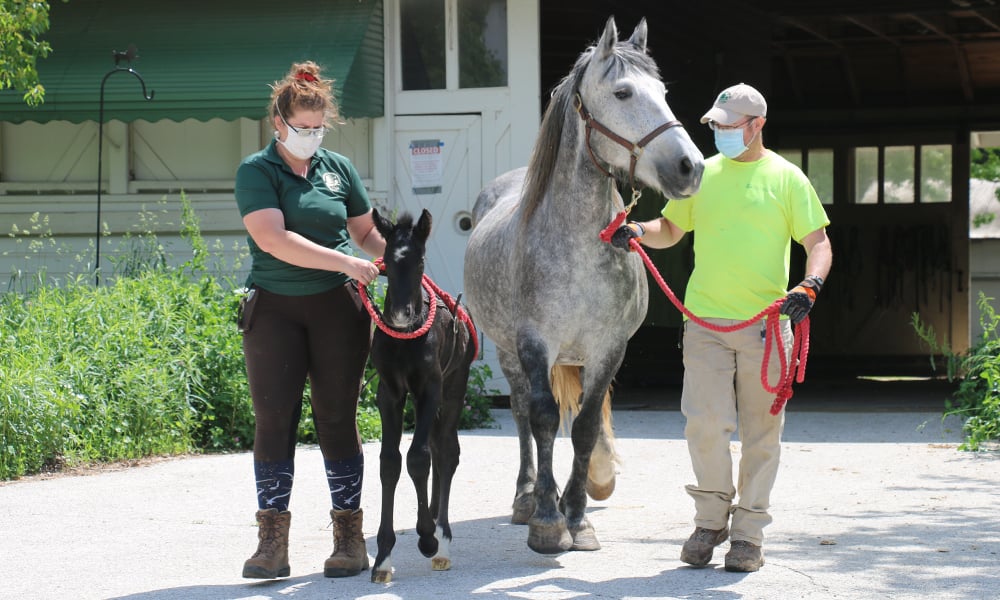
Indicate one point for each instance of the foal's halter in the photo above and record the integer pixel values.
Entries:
(635, 149)
(434, 293)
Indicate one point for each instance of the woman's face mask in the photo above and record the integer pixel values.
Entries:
(302, 143)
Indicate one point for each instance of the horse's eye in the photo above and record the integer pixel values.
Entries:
(623, 94)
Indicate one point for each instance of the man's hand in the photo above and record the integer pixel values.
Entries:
(623, 236)
(800, 299)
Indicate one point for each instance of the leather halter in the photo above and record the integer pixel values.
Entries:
(635, 149)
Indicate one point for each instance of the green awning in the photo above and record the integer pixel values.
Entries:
(202, 60)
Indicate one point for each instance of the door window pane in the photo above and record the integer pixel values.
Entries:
(422, 44)
(899, 174)
(821, 173)
(866, 175)
(792, 156)
(482, 46)
(935, 173)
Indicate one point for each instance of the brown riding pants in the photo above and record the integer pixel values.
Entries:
(325, 337)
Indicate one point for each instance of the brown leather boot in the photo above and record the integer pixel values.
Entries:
(349, 554)
(698, 549)
(271, 558)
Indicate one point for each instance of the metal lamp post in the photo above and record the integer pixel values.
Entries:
(129, 55)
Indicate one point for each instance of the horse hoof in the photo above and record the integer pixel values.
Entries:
(600, 491)
(584, 537)
(524, 507)
(440, 563)
(549, 538)
(381, 576)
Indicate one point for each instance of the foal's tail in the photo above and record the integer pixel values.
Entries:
(567, 389)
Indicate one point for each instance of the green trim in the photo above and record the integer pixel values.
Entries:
(202, 60)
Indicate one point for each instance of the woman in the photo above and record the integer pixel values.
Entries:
(302, 316)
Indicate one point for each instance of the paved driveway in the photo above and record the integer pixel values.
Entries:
(867, 505)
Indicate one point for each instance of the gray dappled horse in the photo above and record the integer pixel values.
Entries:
(559, 303)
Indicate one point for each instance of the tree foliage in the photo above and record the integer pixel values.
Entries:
(985, 164)
(22, 24)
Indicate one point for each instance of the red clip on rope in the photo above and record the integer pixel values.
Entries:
(433, 293)
(792, 368)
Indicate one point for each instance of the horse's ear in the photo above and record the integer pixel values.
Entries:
(423, 228)
(606, 45)
(383, 226)
(638, 38)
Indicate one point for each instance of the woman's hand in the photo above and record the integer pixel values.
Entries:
(361, 270)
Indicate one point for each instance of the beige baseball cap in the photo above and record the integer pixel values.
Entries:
(736, 103)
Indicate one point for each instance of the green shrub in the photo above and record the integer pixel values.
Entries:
(977, 399)
(148, 363)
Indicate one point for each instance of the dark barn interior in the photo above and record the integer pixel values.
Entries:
(876, 101)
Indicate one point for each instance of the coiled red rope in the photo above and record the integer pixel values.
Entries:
(792, 368)
(433, 293)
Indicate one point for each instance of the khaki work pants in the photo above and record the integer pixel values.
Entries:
(723, 394)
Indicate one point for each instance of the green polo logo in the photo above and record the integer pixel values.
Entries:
(332, 181)
(724, 97)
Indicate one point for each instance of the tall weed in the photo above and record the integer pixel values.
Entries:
(148, 363)
(977, 399)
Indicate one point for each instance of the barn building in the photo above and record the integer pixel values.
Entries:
(880, 102)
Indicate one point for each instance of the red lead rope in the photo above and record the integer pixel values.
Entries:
(792, 368)
(433, 293)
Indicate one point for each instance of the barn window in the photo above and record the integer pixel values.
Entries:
(935, 173)
(819, 168)
(817, 164)
(422, 27)
(898, 181)
(866, 179)
(902, 174)
(482, 38)
(452, 44)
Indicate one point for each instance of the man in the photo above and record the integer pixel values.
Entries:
(752, 202)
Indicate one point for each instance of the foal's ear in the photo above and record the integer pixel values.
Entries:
(423, 228)
(606, 45)
(383, 226)
(638, 38)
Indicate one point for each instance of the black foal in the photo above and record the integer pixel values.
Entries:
(432, 364)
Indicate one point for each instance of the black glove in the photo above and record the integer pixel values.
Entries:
(622, 236)
(800, 299)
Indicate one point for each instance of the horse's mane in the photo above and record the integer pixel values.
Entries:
(624, 57)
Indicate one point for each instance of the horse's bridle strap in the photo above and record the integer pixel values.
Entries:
(635, 149)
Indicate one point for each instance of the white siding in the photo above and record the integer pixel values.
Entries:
(48, 192)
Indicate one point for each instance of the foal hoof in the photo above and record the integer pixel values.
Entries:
(549, 538)
(524, 507)
(584, 537)
(600, 491)
(428, 546)
(440, 563)
(379, 576)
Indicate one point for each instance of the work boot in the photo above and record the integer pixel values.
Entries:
(349, 554)
(271, 558)
(744, 557)
(698, 549)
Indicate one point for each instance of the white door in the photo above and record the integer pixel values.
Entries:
(438, 167)
(464, 85)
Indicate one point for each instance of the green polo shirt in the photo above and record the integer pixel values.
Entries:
(744, 218)
(316, 207)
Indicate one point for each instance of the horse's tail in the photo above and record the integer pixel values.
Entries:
(567, 390)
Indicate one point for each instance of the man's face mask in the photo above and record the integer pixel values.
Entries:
(729, 140)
